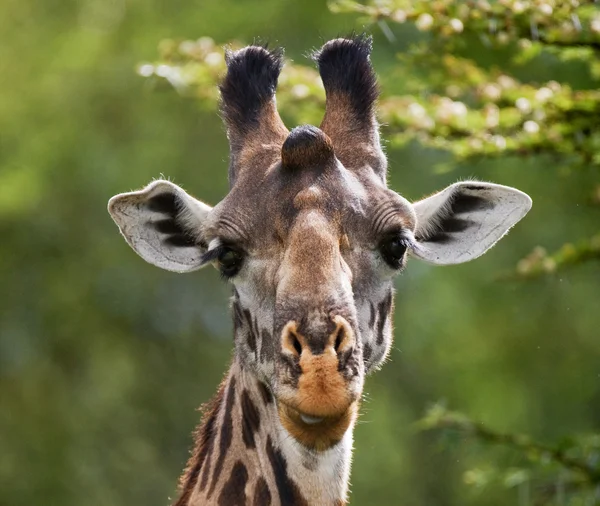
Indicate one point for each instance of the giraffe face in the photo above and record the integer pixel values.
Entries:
(315, 250)
(311, 244)
(310, 236)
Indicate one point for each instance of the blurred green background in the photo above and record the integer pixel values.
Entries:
(104, 359)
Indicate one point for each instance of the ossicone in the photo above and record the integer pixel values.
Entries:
(345, 68)
(248, 107)
(307, 147)
(351, 93)
(251, 81)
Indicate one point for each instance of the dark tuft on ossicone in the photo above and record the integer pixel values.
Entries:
(251, 79)
(345, 68)
(307, 146)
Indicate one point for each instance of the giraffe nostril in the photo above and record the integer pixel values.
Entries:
(296, 344)
(344, 336)
(291, 341)
(339, 339)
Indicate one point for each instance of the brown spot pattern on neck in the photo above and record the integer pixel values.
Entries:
(288, 491)
(226, 435)
(250, 420)
(234, 490)
(262, 494)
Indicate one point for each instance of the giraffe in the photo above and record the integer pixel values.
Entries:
(310, 237)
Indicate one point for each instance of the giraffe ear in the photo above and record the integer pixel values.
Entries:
(463, 221)
(163, 224)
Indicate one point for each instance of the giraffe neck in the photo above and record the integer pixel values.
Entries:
(243, 455)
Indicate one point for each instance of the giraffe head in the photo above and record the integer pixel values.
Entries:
(310, 236)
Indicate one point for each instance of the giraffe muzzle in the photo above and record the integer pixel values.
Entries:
(328, 384)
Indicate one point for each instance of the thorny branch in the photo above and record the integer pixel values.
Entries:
(585, 473)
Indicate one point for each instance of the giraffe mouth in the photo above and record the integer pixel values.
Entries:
(303, 417)
(311, 420)
(316, 432)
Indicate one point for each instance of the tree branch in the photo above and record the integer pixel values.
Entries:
(440, 418)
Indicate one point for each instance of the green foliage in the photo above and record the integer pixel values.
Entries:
(457, 104)
(485, 112)
(565, 473)
(570, 23)
(474, 111)
(504, 116)
(539, 262)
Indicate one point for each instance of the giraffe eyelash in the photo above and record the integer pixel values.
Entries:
(393, 248)
(213, 254)
(229, 259)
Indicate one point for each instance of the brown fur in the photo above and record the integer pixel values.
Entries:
(319, 436)
(322, 389)
(351, 143)
(351, 89)
(233, 492)
(270, 133)
(262, 494)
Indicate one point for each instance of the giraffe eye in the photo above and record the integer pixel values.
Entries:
(230, 262)
(393, 249)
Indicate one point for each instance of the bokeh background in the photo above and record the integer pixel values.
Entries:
(104, 359)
